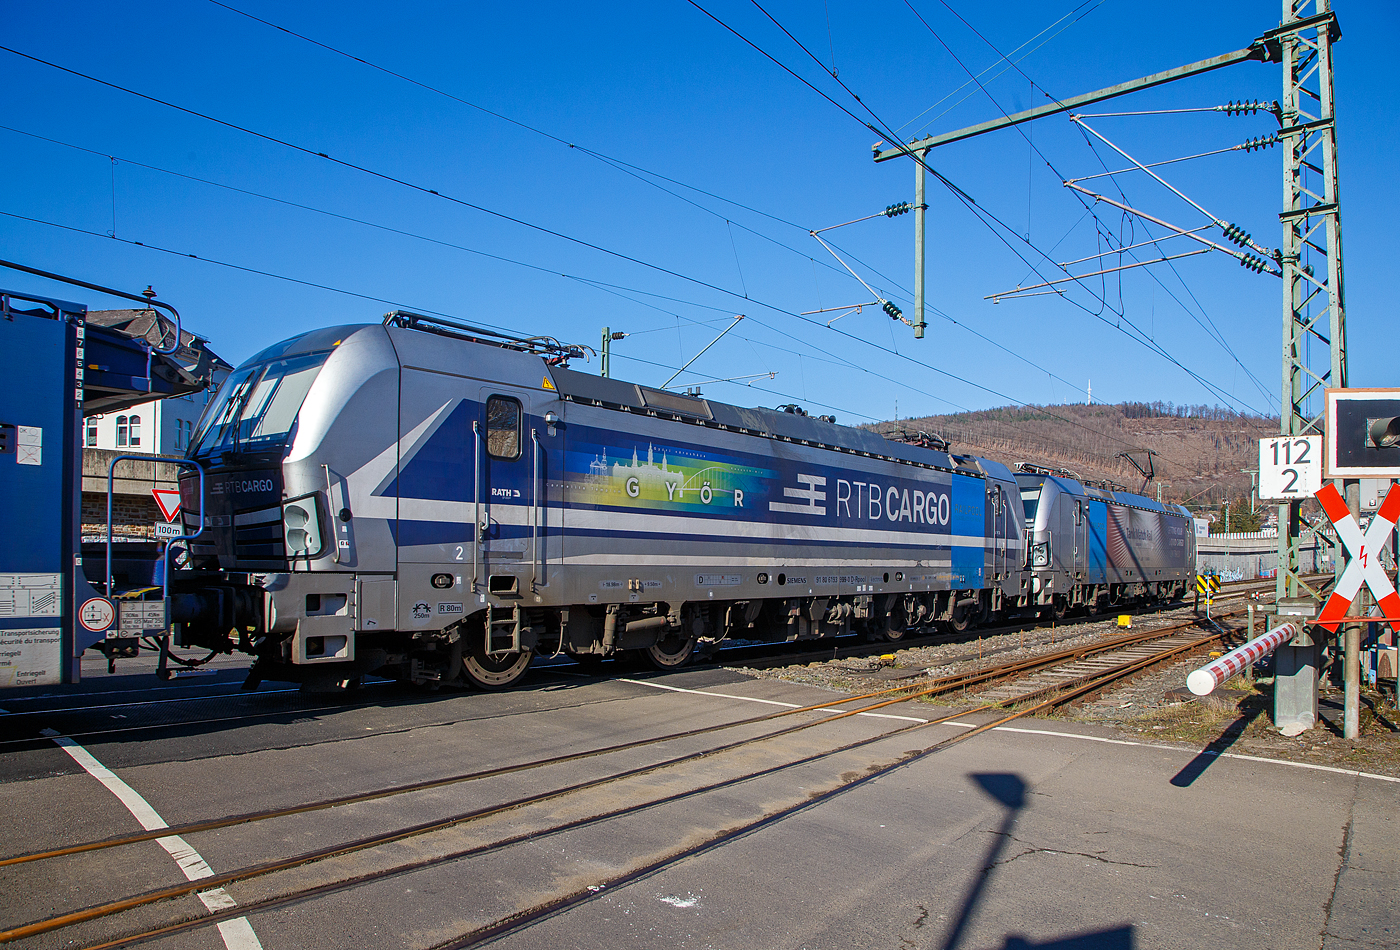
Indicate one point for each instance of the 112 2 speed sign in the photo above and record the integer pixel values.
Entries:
(1290, 467)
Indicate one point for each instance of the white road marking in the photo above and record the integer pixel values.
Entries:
(145, 702)
(1168, 748)
(1040, 732)
(766, 702)
(238, 934)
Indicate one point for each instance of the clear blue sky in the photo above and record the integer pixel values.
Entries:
(755, 159)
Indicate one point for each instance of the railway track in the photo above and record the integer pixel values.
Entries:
(134, 713)
(1033, 684)
(773, 655)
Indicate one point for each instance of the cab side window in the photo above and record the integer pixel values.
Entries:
(503, 427)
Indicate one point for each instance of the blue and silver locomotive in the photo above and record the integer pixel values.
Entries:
(436, 503)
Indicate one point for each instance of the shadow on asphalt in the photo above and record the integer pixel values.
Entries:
(1009, 790)
(1119, 938)
(1251, 708)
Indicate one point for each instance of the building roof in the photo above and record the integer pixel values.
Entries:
(121, 371)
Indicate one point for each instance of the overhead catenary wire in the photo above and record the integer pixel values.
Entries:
(383, 176)
(644, 175)
(597, 284)
(600, 156)
(881, 128)
(1212, 330)
(424, 189)
(607, 288)
(1064, 22)
(489, 211)
(971, 203)
(842, 361)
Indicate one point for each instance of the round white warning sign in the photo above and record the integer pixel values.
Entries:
(97, 614)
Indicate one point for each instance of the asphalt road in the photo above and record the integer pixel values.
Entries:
(1038, 835)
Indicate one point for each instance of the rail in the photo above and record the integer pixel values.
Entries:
(1059, 695)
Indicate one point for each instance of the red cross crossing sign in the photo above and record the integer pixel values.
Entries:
(1365, 565)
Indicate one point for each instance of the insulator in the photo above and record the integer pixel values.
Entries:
(898, 209)
(894, 312)
(1250, 262)
(1246, 107)
(1236, 235)
(1264, 141)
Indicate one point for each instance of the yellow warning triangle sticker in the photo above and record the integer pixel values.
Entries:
(547, 384)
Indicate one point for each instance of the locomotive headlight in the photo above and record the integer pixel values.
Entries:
(1040, 554)
(301, 526)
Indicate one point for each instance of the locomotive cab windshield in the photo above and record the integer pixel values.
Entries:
(257, 406)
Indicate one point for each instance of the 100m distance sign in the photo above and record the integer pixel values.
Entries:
(1290, 467)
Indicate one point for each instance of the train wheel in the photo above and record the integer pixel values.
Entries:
(896, 626)
(962, 621)
(1060, 608)
(497, 670)
(670, 652)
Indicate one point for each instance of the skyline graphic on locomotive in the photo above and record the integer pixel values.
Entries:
(437, 503)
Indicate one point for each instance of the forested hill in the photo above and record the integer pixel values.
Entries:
(1201, 450)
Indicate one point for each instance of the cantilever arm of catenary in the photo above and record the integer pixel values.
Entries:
(873, 292)
(1241, 256)
(1215, 219)
(996, 298)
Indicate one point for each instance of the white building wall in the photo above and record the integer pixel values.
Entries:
(164, 428)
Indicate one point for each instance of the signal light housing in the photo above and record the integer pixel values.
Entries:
(1384, 432)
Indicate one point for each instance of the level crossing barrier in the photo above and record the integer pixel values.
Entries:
(1203, 681)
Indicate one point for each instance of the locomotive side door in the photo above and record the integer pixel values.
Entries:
(1081, 538)
(515, 450)
(998, 510)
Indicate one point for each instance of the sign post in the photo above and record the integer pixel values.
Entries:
(1290, 471)
(1362, 442)
(1364, 568)
(1207, 586)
